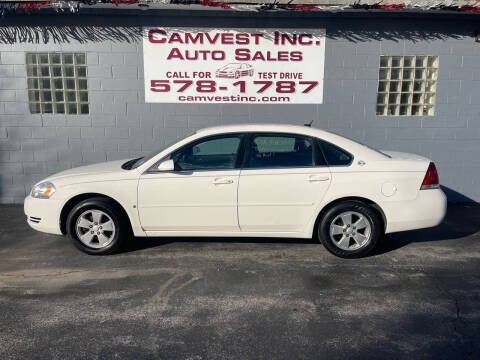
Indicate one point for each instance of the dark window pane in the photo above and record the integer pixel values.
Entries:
(81, 71)
(57, 70)
(72, 108)
(380, 110)
(71, 96)
(55, 59)
(83, 95)
(382, 86)
(82, 84)
(408, 61)
(396, 61)
(420, 61)
(68, 58)
(47, 108)
(34, 108)
(395, 74)
(83, 108)
(33, 83)
(45, 71)
(32, 70)
(383, 74)
(34, 96)
(31, 58)
(335, 155)
(403, 110)
(46, 96)
(273, 151)
(80, 59)
(70, 84)
(69, 71)
(59, 96)
(394, 86)
(217, 153)
(43, 58)
(406, 86)
(45, 83)
(58, 83)
(60, 108)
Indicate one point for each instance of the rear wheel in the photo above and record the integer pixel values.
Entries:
(96, 226)
(350, 229)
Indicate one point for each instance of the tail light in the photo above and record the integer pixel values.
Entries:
(430, 180)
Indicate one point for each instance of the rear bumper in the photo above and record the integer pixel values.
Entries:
(427, 210)
(43, 214)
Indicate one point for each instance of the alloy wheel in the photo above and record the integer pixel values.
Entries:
(350, 230)
(95, 228)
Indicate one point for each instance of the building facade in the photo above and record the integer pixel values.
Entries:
(72, 89)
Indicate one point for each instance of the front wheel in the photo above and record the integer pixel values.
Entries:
(96, 226)
(350, 229)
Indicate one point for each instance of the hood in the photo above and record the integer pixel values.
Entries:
(94, 169)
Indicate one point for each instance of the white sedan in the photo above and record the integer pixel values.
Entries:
(244, 180)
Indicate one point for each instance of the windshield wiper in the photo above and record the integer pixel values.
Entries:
(129, 164)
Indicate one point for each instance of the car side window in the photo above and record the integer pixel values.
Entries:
(280, 150)
(334, 155)
(212, 154)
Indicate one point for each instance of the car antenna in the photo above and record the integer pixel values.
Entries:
(309, 124)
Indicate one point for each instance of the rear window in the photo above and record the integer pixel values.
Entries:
(280, 150)
(334, 155)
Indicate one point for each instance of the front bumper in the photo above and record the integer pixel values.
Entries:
(427, 210)
(43, 214)
(226, 75)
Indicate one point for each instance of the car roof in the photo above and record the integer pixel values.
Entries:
(283, 128)
(343, 142)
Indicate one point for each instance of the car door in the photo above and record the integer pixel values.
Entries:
(200, 194)
(284, 177)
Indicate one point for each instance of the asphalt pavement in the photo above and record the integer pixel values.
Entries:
(417, 296)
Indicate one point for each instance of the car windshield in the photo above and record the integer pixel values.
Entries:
(231, 67)
(144, 159)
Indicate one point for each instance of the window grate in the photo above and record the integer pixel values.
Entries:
(407, 85)
(57, 83)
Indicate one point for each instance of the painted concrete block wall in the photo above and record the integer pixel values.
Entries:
(121, 125)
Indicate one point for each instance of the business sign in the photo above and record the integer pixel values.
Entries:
(192, 65)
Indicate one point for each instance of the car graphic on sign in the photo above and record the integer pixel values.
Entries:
(234, 70)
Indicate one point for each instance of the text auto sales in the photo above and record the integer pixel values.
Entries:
(160, 36)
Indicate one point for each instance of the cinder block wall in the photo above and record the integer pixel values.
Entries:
(121, 125)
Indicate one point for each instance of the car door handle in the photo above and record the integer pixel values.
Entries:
(314, 178)
(220, 181)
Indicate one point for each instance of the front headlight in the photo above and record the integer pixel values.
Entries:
(43, 190)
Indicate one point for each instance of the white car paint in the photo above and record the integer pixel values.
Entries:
(250, 202)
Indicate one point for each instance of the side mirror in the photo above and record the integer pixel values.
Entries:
(166, 165)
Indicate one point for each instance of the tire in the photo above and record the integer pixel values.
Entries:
(350, 240)
(102, 224)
